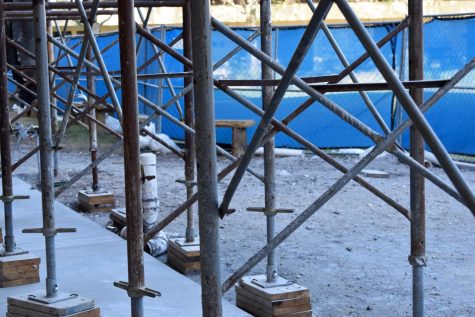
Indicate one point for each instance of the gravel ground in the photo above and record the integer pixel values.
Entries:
(351, 254)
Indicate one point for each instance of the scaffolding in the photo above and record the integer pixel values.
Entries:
(200, 149)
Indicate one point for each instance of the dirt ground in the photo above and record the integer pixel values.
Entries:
(352, 254)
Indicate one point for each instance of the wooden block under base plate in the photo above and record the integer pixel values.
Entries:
(118, 217)
(15, 311)
(96, 201)
(286, 300)
(184, 257)
(19, 269)
(22, 305)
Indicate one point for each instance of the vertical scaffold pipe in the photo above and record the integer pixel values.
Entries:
(417, 187)
(54, 112)
(5, 147)
(269, 147)
(190, 150)
(133, 179)
(91, 85)
(206, 159)
(46, 143)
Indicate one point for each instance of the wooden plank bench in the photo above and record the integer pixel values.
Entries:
(239, 133)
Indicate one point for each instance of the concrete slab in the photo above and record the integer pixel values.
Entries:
(90, 260)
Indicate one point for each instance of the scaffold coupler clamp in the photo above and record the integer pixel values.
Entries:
(137, 291)
(271, 212)
(10, 199)
(417, 260)
(145, 178)
(49, 232)
(188, 184)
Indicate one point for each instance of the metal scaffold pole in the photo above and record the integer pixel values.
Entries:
(206, 155)
(133, 180)
(190, 151)
(269, 146)
(46, 144)
(5, 147)
(91, 85)
(417, 257)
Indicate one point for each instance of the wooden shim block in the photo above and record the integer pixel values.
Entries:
(63, 308)
(19, 311)
(307, 313)
(182, 268)
(21, 281)
(253, 310)
(105, 208)
(186, 250)
(18, 260)
(118, 216)
(234, 123)
(96, 199)
(95, 312)
(257, 311)
(274, 304)
(175, 265)
(273, 293)
(181, 257)
(293, 306)
(19, 269)
(18, 275)
(97, 202)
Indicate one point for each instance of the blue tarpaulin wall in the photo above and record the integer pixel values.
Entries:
(449, 45)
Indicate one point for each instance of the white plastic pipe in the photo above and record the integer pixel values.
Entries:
(150, 201)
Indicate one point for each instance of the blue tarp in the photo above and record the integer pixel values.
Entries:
(449, 45)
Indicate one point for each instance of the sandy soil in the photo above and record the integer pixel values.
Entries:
(352, 254)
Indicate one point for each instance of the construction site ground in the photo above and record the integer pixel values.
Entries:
(92, 259)
(352, 254)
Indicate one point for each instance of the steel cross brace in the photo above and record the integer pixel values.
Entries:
(378, 149)
(74, 119)
(345, 116)
(345, 63)
(77, 73)
(282, 126)
(150, 104)
(401, 209)
(410, 106)
(112, 149)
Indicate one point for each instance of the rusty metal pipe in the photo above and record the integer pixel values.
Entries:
(133, 188)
